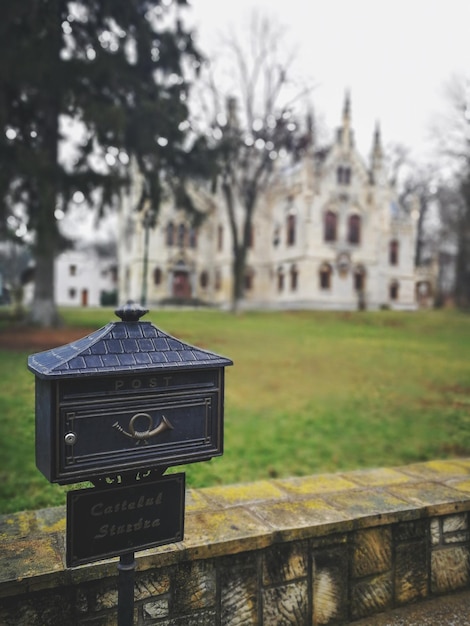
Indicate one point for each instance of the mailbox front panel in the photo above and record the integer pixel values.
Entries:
(108, 425)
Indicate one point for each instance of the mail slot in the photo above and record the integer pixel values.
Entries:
(127, 396)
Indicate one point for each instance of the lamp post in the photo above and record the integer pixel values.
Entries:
(148, 222)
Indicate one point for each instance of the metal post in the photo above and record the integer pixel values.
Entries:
(126, 568)
(145, 260)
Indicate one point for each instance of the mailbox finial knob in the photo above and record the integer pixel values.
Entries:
(131, 311)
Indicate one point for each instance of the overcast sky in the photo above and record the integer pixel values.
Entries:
(394, 56)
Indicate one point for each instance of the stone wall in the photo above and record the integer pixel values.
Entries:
(319, 550)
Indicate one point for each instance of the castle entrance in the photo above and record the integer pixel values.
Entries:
(181, 284)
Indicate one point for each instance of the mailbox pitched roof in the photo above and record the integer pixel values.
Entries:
(122, 347)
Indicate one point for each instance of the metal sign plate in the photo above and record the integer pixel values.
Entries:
(103, 523)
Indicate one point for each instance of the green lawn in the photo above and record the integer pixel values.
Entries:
(309, 392)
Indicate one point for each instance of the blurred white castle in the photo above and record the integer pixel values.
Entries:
(329, 234)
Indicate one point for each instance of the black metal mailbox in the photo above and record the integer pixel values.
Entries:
(126, 397)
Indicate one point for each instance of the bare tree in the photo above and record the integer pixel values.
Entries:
(252, 103)
(453, 135)
(417, 185)
(419, 191)
(398, 161)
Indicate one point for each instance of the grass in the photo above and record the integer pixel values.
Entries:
(309, 392)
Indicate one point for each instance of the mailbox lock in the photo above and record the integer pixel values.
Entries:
(70, 439)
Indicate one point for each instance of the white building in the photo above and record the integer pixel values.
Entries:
(329, 234)
(83, 278)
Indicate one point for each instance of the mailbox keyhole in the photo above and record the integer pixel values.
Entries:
(70, 439)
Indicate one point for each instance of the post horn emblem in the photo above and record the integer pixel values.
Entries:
(143, 435)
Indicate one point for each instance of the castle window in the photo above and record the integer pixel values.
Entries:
(276, 236)
(393, 252)
(220, 238)
(192, 237)
(354, 229)
(291, 225)
(204, 279)
(157, 276)
(114, 273)
(394, 289)
(325, 276)
(294, 275)
(72, 293)
(359, 278)
(330, 226)
(170, 234)
(343, 175)
(181, 235)
(280, 279)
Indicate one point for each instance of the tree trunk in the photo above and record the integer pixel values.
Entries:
(238, 278)
(43, 311)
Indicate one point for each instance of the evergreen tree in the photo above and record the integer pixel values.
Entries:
(88, 87)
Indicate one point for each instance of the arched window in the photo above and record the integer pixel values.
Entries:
(294, 275)
(343, 175)
(220, 238)
(181, 235)
(393, 252)
(394, 290)
(359, 278)
(325, 276)
(280, 279)
(276, 236)
(192, 237)
(354, 229)
(291, 224)
(157, 276)
(330, 226)
(204, 279)
(170, 234)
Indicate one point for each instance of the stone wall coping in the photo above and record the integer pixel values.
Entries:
(230, 519)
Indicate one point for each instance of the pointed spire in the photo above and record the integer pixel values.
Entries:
(345, 133)
(347, 109)
(377, 151)
(310, 127)
(376, 159)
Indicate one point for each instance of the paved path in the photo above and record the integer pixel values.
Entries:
(452, 610)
